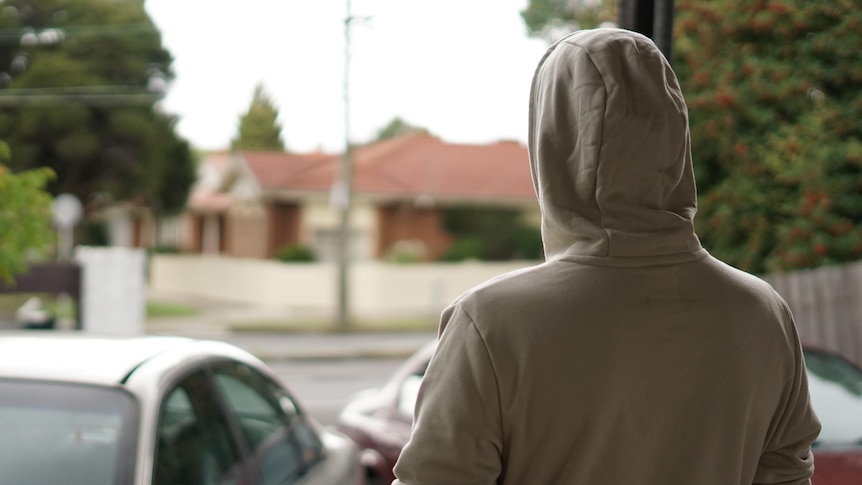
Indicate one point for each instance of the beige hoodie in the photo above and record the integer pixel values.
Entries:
(631, 356)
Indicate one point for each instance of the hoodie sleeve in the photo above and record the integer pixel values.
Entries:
(787, 457)
(456, 437)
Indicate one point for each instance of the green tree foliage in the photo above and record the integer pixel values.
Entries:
(774, 89)
(79, 83)
(397, 127)
(490, 233)
(25, 217)
(258, 127)
(550, 19)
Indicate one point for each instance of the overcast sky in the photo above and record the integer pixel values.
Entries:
(461, 68)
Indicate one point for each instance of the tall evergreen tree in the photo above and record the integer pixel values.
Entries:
(397, 127)
(259, 128)
(79, 86)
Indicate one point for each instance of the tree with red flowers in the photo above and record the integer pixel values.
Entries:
(774, 89)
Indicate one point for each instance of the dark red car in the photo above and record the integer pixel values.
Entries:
(379, 420)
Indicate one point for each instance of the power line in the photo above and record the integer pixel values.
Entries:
(89, 95)
(74, 90)
(54, 35)
(87, 99)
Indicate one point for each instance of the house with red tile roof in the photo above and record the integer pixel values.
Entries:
(261, 202)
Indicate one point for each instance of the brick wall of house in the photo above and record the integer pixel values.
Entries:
(405, 222)
(284, 219)
(143, 228)
(247, 232)
(191, 241)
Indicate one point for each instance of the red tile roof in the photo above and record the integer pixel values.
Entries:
(297, 171)
(407, 166)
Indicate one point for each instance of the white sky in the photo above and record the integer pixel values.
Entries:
(461, 68)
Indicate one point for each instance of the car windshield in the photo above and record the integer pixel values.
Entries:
(65, 433)
(836, 394)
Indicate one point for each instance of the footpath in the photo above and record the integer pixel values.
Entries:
(219, 320)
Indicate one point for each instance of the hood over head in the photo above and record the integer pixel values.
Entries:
(609, 149)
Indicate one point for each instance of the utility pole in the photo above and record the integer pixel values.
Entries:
(343, 191)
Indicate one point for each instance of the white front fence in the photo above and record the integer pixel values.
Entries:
(375, 289)
(827, 302)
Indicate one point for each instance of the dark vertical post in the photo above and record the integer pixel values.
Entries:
(663, 26)
(637, 15)
(652, 18)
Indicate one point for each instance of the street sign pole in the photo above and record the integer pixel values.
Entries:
(67, 211)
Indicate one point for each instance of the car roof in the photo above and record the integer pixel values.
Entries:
(79, 357)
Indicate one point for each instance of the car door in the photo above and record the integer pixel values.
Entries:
(283, 443)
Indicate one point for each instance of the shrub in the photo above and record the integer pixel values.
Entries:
(490, 233)
(407, 251)
(296, 253)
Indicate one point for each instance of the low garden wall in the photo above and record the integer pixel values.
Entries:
(825, 301)
(375, 289)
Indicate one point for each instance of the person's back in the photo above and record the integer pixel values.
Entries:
(631, 356)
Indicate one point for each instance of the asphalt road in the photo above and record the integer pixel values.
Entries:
(323, 387)
(274, 346)
(323, 371)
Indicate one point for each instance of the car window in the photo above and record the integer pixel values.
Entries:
(836, 395)
(194, 444)
(409, 390)
(65, 433)
(284, 444)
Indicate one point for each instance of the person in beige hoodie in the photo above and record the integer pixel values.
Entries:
(631, 356)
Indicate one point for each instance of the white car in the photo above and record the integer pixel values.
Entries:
(84, 410)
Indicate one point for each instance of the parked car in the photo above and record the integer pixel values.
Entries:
(836, 393)
(85, 410)
(379, 420)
